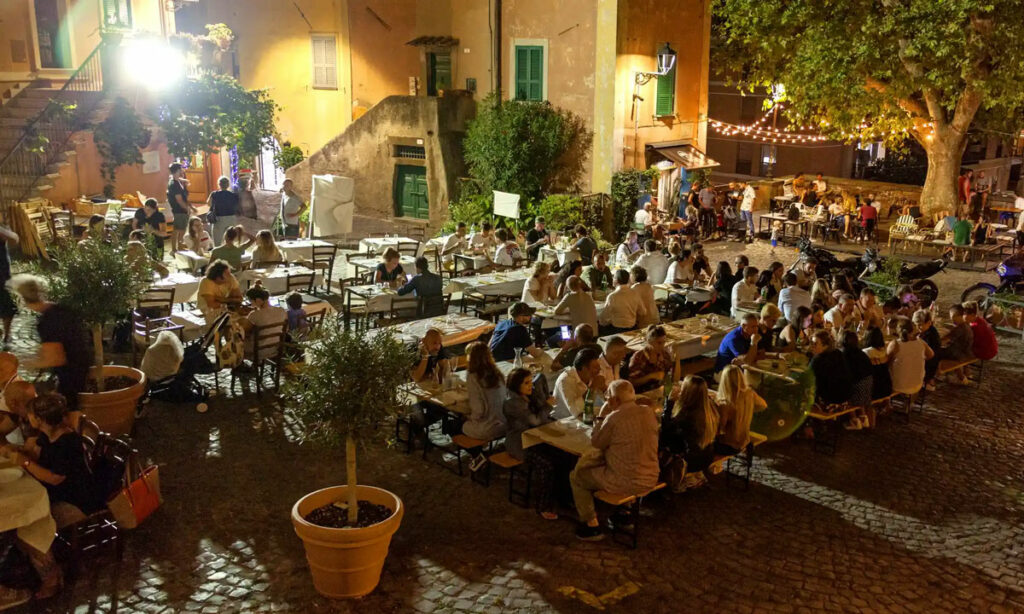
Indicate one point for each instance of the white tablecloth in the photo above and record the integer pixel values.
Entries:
(195, 324)
(25, 506)
(185, 286)
(548, 254)
(455, 329)
(190, 261)
(377, 245)
(300, 249)
(275, 280)
(492, 284)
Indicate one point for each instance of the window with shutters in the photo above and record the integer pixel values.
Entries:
(117, 15)
(665, 96)
(529, 72)
(325, 62)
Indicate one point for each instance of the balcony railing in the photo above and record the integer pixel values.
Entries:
(47, 134)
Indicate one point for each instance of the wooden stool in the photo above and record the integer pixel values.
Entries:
(632, 503)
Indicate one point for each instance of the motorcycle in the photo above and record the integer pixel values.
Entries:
(828, 263)
(1011, 281)
(915, 275)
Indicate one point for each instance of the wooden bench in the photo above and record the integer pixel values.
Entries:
(463, 443)
(829, 426)
(504, 460)
(746, 458)
(632, 503)
(975, 366)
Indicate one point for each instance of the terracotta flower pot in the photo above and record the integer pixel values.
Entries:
(114, 410)
(346, 562)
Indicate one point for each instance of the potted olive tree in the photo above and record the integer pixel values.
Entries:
(102, 282)
(347, 388)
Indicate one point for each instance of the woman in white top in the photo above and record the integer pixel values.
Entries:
(196, 238)
(645, 291)
(907, 357)
(539, 289)
(486, 389)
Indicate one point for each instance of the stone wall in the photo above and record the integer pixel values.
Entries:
(364, 151)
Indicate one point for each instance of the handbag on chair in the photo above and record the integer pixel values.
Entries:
(139, 499)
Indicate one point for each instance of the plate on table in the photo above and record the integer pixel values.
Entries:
(9, 474)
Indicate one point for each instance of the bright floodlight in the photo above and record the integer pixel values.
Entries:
(152, 63)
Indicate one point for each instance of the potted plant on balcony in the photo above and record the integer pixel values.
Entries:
(348, 386)
(102, 282)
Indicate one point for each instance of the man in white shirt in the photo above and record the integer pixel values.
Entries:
(615, 350)
(628, 250)
(838, 318)
(744, 291)
(292, 207)
(681, 270)
(654, 262)
(792, 297)
(623, 307)
(644, 216)
(483, 242)
(263, 314)
(578, 304)
(866, 310)
(572, 385)
(747, 208)
(1018, 204)
(454, 243)
(820, 185)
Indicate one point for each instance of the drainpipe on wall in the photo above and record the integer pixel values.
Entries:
(497, 48)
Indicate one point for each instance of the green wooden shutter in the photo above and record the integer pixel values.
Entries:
(529, 73)
(665, 97)
(117, 15)
(443, 71)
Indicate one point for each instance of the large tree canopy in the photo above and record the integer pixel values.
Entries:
(886, 69)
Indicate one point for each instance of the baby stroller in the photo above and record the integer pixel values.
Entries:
(734, 228)
(183, 387)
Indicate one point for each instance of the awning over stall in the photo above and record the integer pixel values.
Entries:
(682, 153)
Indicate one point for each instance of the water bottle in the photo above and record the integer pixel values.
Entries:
(518, 362)
(588, 407)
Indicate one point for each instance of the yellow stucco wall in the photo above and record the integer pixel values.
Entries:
(472, 58)
(643, 26)
(16, 30)
(275, 52)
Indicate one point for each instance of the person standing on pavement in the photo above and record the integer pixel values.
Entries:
(707, 211)
(224, 208)
(747, 209)
(177, 200)
(292, 208)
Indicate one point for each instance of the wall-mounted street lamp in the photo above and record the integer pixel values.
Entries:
(666, 61)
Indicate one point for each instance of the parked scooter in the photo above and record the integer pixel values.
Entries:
(829, 264)
(1011, 280)
(915, 275)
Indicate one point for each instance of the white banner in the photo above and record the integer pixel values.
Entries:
(506, 205)
(331, 205)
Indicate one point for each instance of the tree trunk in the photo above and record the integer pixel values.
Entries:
(97, 349)
(350, 473)
(940, 185)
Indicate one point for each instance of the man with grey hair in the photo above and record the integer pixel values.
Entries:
(838, 317)
(626, 433)
(64, 347)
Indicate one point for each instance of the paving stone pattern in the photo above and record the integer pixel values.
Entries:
(918, 517)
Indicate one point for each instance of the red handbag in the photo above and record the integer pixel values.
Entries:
(135, 503)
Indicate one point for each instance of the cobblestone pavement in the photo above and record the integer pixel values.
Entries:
(918, 517)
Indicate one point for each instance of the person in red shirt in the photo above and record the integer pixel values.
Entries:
(868, 217)
(964, 186)
(986, 346)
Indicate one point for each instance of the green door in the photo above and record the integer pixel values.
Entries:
(411, 192)
(439, 73)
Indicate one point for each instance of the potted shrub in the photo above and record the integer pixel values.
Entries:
(348, 386)
(100, 281)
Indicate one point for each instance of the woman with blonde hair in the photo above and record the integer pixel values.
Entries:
(196, 238)
(539, 289)
(691, 426)
(266, 251)
(737, 403)
(486, 389)
(390, 268)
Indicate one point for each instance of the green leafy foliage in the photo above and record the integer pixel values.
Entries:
(215, 111)
(886, 279)
(471, 209)
(560, 211)
(119, 139)
(525, 147)
(863, 69)
(99, 279)
(350, 383)
(288, 156)
(627, 186)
